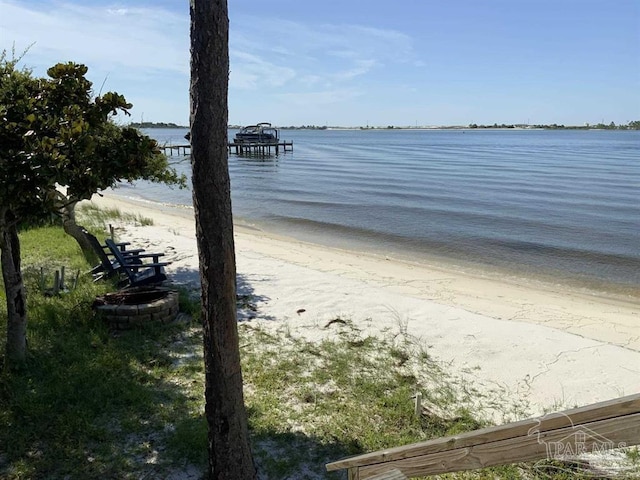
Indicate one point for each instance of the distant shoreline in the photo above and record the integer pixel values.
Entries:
(635, 125)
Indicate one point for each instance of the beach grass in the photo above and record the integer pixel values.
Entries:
(94, 403)
(96, 218)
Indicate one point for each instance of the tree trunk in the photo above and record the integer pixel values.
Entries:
(16, 348)
(68, 212)
(229, 449)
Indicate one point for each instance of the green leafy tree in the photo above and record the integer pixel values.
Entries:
(97, 153)
(58, 146)
(23, 168)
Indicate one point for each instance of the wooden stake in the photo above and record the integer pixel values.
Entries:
(56, 283)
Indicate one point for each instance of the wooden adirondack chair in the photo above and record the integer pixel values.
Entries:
(109, 267)
(136, 274)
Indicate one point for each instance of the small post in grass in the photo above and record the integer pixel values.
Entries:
(56, 283)
(418, 405)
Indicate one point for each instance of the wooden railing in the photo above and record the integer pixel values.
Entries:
(597, 427)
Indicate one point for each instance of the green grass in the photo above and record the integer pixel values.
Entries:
(347, 394)
(88, 403)
(93, 404)
(49, 248)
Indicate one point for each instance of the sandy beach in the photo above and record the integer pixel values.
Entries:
(539, 344)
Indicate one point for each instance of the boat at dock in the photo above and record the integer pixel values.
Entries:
(260, 139)
(262, 133)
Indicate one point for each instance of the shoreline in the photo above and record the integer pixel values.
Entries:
(541, 343)
(464, 268)
(526, 276)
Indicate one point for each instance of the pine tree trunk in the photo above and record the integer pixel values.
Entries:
(229, 450)
(68, 212)
(16, 348)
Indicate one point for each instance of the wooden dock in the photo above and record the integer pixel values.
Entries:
(239, 148)
(259, 148)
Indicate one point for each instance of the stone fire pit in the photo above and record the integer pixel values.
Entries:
(137, 307)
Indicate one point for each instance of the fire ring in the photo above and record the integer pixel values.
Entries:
(137, 307)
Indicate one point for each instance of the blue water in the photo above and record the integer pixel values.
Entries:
(554, 204)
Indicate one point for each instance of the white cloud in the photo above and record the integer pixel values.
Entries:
(361, 67)
(299, 55)
(117, 11)
(253, 72)
(136, 40)
(142, 51)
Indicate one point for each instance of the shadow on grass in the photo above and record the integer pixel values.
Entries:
(88, 403)
(277, 455)
(296, 455)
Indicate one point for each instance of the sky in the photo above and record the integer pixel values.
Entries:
(354, 62)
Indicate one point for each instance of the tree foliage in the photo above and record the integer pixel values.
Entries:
(55, 134)
(22, 150)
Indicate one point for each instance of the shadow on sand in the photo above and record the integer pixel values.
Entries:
(278, 455)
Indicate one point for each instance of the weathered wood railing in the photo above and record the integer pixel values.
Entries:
(597, 427)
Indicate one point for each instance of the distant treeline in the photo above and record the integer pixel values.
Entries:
(633, 125)
(155, 125)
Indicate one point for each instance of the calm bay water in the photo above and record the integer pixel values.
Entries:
(555, 204)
